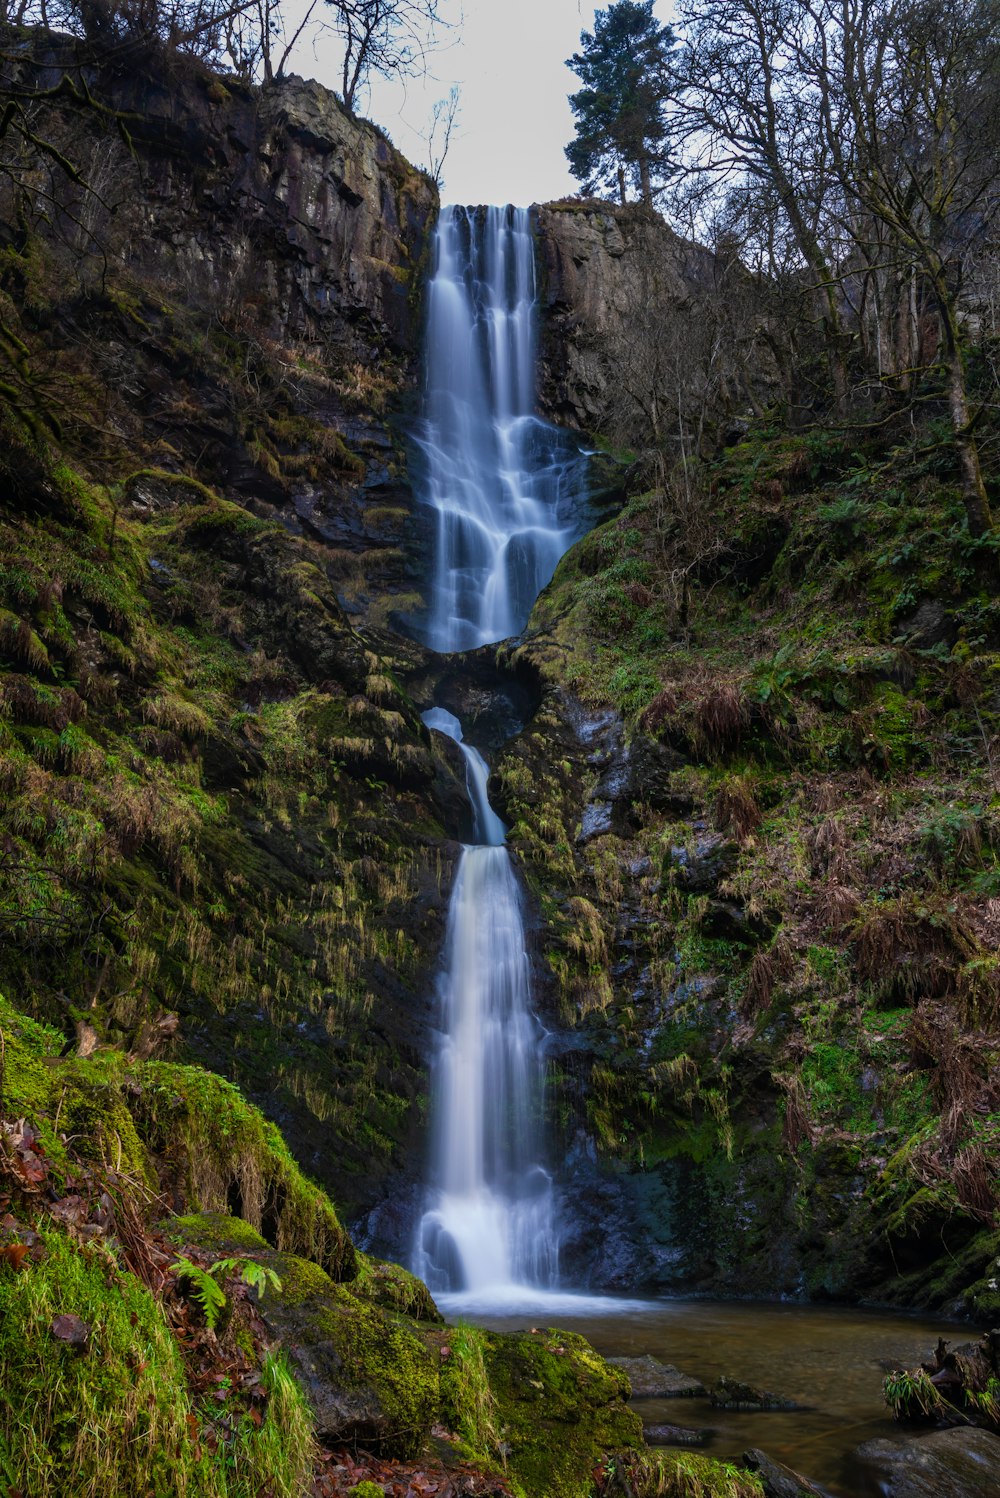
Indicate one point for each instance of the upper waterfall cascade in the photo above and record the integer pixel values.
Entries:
(505, 485)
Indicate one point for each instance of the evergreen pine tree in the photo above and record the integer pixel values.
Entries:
(620, 111)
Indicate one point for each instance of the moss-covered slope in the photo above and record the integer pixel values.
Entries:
(122, 1376)
(759, 812)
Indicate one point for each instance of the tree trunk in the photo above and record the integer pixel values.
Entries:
(646, 185)
(621, 186)
(974, 496)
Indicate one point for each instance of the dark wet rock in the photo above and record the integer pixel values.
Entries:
(947, 1464)
(368, 1377)
(728, 920)
(703, 867)
(777, 1480)
(730, 1394)
(597, 819)
(651, 1379)
(633, 775)
(927, 625)
(675, 1435)
(390, 1228)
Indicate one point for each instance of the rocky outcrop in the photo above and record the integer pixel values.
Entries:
(605, 269)
(275, 199)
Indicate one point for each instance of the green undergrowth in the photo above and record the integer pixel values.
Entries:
(779, 957)
(680, 1475)
(116, 1416)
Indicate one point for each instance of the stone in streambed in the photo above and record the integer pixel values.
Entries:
(948, 1464)
(777, 1480)
(675, 1435)
(651, 1379)
(729, 1394)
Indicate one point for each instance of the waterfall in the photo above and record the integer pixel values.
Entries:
(489, 1224)
(505, 486)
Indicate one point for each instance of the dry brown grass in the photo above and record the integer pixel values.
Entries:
(737, 809)
(796, 1127)
(913, 946)
(659, 712)
(768, 967)
(720, 718)
(837, 907)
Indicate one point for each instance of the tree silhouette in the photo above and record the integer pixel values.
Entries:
(621, 126)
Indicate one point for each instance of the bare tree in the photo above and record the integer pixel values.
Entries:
(437, 137)
(383, 37)
(915, 143)
(745, 123)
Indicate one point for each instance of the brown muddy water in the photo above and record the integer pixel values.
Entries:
(828, 1358)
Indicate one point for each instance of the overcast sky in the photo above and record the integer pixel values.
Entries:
(508, 57)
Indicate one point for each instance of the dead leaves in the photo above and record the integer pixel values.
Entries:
(341, 1471)
(71, 1330)
(22, 1156)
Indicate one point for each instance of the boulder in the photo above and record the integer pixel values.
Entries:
(675, 1435)
(777, 1480)
(730, 1394)
(651, 1379)
(961, 1463)
(369, 1378)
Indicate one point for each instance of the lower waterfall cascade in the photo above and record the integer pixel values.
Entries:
(490, 1225)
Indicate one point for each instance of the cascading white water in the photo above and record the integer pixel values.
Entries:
(508, 492)
(488, 1227)
(504, 484)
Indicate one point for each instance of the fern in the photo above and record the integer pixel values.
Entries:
(207, 1290)
(204, 1289)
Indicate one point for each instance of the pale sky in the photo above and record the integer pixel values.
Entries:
(508, 57)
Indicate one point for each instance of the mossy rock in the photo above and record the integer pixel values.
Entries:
(368, 1377)
(555, 1407)
(394, 1289)
(218, 1151)
(218, 1231)
(93, 1114)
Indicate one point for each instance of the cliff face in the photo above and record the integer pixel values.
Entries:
(273, 197)
(220, 338)
(604, 269)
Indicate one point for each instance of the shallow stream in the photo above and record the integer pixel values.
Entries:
(831, 1359)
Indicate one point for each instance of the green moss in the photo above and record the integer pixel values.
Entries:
(26, 1080)
(96, 1122)
(395, 1289)
(110, 1421)
(213, 1230)
(558, 1407)
(219, 1146)
(366, 1490)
